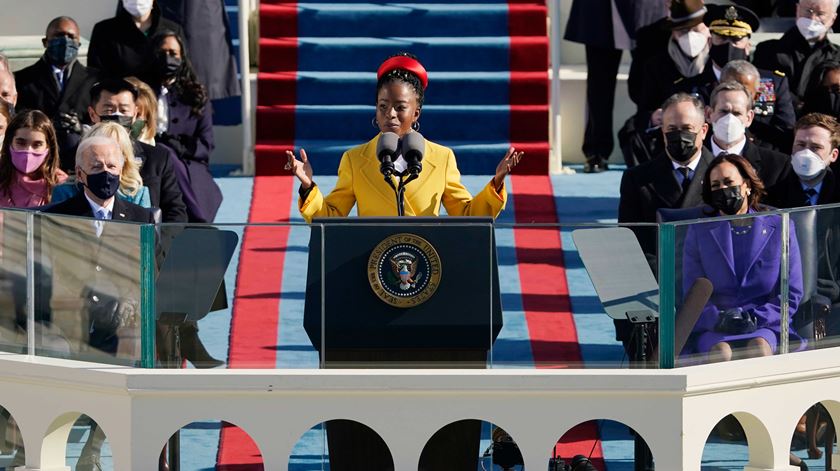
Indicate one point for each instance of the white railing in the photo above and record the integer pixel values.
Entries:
(673, 410)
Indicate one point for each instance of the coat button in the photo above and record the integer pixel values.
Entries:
(95, 298)
(174, 120)
(98, 268)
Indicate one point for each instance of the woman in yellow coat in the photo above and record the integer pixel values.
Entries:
(401, 83)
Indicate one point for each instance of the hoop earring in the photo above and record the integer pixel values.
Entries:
(416, 126)
(374, 123)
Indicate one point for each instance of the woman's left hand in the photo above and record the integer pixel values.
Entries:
(510, 160)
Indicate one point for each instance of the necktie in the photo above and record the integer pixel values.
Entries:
(59, 76)
(686, 181)
(810, 195)
(98, 224)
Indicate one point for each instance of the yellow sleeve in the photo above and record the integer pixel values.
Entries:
(459, 202)
(338, 203)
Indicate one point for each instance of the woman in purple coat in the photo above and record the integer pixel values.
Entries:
(742, 258)
(185, 125)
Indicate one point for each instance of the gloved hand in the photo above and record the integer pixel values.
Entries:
(69, 123)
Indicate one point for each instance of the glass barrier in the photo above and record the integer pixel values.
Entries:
(232, 296)
(92, 288)
(417, 293)
(578, 296)
(13, 282)
(814, 322)
(732, 287)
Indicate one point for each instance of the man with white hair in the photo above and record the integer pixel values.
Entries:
(803, 48)
(99, 163)
(93, 268)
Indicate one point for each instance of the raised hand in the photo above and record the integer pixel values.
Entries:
(510, 160)
(302, 169)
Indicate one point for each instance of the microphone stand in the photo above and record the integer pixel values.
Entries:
(399, 190)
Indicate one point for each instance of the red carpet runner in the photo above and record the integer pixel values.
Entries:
(545, 296)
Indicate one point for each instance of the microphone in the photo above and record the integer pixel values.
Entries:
(413, 147)
(386, 151)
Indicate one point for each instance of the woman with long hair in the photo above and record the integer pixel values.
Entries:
(29, 162)
(185, 124)
(742, 258)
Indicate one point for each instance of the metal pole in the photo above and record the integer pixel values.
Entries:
(245, 9)
(554, 37)
(30, 283)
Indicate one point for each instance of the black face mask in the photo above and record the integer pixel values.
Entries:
(680, 145)
(722, 54)
(169, 66)
(727, 200)
(62, 50)
(123, 120)
(823, 100)
(103, 184)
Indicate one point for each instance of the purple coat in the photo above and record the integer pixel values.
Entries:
(708, 252)
(195, 144)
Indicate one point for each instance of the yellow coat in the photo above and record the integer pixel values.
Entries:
(361, 183)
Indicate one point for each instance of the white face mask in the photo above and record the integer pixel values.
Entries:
(692, 43)
(729, 129)
(807, 164)
(137, 8)
(810, 29)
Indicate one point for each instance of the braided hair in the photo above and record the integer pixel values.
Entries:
(404, 76)
(186, 85)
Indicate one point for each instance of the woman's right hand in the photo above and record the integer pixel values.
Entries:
(302, 169)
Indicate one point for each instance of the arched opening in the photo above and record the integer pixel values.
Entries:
(814, 439)
(340, 445)
(598, 445)
(211, 444)
(12, 452)
(471, 444)
(738, 440)
(88, 448)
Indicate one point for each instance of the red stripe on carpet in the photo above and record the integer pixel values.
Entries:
(256, 304)
(545, 293)
(243, 456)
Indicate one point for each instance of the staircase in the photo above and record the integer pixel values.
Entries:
(488, 80)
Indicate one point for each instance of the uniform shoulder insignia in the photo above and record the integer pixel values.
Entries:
(679, 80)
(779, 73)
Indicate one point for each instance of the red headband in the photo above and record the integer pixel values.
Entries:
(405, 63)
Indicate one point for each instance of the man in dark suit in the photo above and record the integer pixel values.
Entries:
(58, 84)
(815, 151)
(673, 179)
(115, 100)
(100, 256)
(98, 166)
(731, 113)
(120, 46)
(592, 23)
(800, 51)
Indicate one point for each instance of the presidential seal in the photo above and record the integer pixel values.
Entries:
(404, 270)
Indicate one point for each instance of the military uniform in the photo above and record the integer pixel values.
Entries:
(774, 116)
(793, 56)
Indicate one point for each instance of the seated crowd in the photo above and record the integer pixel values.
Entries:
(129, 136)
